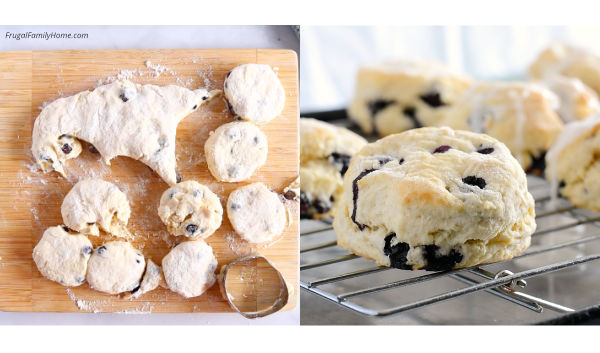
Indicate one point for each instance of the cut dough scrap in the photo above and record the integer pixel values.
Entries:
(118, 119)
(256, 213)
(190, 209)
(153, 277)
(235, 151)
(115, 267)
(189, 268)
(63, 257)
(254, 93)
(94, 204)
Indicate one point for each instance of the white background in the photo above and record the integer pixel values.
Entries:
(153, 37)
(331, 55)
(307, 339)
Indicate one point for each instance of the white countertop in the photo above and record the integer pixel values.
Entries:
(152, 37)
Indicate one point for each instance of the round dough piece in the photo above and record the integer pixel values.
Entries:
(94, 204)
(256, 213)
(234, 151)
(190, 209)
(115, 267)
(574, 163)
(189, 268)
(63, 257)
(520, 114)
(254, 93)
(394, 96)
(325, 153)
(435, 199)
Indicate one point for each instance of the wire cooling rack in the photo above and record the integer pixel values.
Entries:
(557, 275)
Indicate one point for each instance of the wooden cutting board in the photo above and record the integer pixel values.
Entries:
(30, 201)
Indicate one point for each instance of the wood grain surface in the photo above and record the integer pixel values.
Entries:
(30, 201)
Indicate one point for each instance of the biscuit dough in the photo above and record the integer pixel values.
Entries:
(435, 199)
(256, 213)
(115, 267)
(62, 256)
(234, 151)
(94, 204)
(118, 119)
(189, 268)
(254, 93)
(190, 209)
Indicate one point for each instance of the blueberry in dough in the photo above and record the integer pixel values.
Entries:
(321, 206)
(433, 99)
(411, 113)
(341, 161)
(304, 205)
(486, 150)
(66, 148)
(475, 181)
(355, 196)
(442, 149)
(538, 163)
(438, 262)
(375, 106)
(191, 229)
(397, 253)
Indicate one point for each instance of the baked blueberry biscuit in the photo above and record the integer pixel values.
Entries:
(118, 119)
(94, 204)
(568, 60)
(256, 213)
(254, 93)
(521, 115)
(115, 267)
(62, 256)
(325, 154)
(189, 268)
(190, 209)
(234, 151)
(435, 199)
(574, 163)
(397, 96)
(577, 101)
